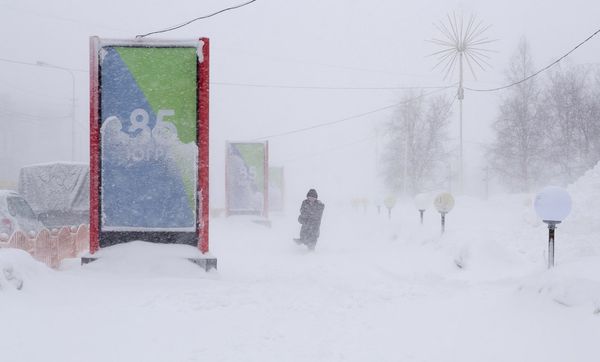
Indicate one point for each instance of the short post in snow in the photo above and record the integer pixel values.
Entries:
(389, 203)
(443, 221)
(552, 205)
(444, 202)
(551, 228)
(422, 201)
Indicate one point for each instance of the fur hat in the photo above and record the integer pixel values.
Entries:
(312, 193)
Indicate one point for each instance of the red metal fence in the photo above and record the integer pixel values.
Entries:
(51, 247)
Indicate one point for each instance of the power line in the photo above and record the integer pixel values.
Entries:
(284, 59)
(198, 18)
(350, 117)
(16, 62)
(539, 71)
(28, 115)
(280, 86)
(37, 65)
(257, 85)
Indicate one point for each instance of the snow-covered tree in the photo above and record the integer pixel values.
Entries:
(572, 111)
(415, 150)
(518, 152)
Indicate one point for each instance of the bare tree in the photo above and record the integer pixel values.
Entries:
(593, 118)
(415, 151)
(518, 152)
(572, 111)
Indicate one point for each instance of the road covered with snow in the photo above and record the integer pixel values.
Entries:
(374, 290)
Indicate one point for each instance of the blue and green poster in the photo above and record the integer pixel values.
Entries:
(246, 179)
(148, 134)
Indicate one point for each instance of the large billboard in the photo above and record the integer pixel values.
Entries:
(149, 141)
(246, 178)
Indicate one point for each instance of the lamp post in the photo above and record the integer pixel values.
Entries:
(422, 201)
(443, 202)
(390, 202)
(552, 205)
(461, 42)
(47, 65)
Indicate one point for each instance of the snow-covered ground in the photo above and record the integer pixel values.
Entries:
(374, 290)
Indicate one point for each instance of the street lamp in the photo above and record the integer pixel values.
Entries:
(461, 42)
(44, 64)
(553, 205)
(422, 202)
(444, 202)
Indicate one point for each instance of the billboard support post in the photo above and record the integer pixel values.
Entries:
(203, 149)
(94, 146)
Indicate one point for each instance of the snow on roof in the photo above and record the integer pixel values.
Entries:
(56, 186)
(4, 193)
(49, 164)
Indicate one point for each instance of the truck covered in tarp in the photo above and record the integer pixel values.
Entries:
(59, 192)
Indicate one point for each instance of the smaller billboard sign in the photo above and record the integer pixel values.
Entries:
(246, 178)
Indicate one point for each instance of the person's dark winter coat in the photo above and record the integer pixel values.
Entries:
(311, 212)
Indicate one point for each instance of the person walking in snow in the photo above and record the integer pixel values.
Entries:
(311, 212)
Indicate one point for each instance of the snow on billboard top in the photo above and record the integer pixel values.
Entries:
(154, 43)
(148, 113)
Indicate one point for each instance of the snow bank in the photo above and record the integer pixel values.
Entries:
(571, 284)
(575, 280)
(501, 240)
(147, 260)
(485, 240)
(18, 269)
(585, 193)
(372, 279)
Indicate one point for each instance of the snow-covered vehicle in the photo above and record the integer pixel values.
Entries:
(58, 192)
(16, 214)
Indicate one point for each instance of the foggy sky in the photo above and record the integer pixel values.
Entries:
(299, 43)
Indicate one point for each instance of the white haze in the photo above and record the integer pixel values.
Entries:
(376, 288)
(304, 43)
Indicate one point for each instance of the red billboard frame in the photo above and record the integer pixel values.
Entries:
(202, 79)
